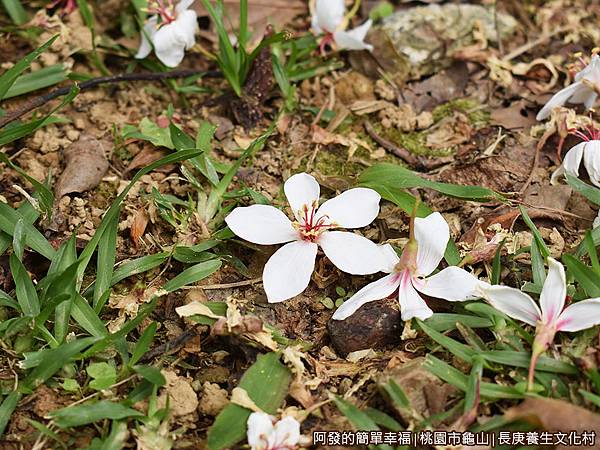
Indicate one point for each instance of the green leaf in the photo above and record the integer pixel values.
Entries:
(447, 321)
(192, 275)
(589, 280)
(543, 248)
(266, 383)
(394, 177)
(107, 251)
(152, 374)
(25, 290)
(48, 362)
(521, 359)
(70, 385)
(103, 375)
(360, 420)
(6, 409)
(40, 79)
(143, 343)
(17, 13)
(75, 416)
(34, 239)
(9, 77)
(160, 137)
(456, 348)
(87, 318)
(590, 192)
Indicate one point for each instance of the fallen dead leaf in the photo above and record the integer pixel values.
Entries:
(181, 395)
(85, 165)
(556, 416)
(138, 227)
(514, 117)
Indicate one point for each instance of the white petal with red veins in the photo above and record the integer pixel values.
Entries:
(352, 253)
(261, 224)
(287, 273)
(580, 316)
(559, 99)
(552, 298)
(512, 302)
(354, 208)
(411, 303)
(377, 290)
(432, 234)
(301, 189)
(591, 160)
(453, 284)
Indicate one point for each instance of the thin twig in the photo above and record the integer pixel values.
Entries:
(214, 287)
(41, 100)
(400, 152)
(170, 346)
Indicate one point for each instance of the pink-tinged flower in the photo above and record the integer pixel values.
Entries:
(583, 90)
(288, 271)
(552, 317)
(264, 434)
(421, 256)
(328, 19)
(171, 30)
(588, 150)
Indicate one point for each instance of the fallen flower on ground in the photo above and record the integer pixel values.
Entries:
(170, 30)
(328, 19)
(421, 256)
(288, 271)
(588, 150)
(552, 317)
(264, 434)
(583, 90)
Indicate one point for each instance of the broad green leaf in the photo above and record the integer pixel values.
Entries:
(192, 275)
(48, 362)
(588, 191)
(6, 409)
(75, 416)
(40, 79)
(152, 374)
(103, 375)
(266, 383)
(87, 318)
(25, 290)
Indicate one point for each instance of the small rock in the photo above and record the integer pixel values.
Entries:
(214, 399)
(374, 325)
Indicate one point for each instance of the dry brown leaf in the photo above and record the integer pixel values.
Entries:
(182, 397)
(516, 116)
(146, 157)
(138, 227)
(85, 165)
(556, 415)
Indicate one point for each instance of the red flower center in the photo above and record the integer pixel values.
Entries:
(165, 9)
(591, 133)
(310, 226)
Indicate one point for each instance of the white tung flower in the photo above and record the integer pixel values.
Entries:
(422, 254)
(328, 18)
(589, 151)
(170, 29)
(552, 316)
(582, 90)
(288, 271)
(264, 435)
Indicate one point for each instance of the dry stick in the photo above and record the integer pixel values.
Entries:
(41, 100)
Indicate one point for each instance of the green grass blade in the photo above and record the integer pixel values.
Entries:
(40, 79)
(107, 253)
(26, 293)
(9, 404)
(192, 275)
(16, 12)
(9, 77)
(35, 240)
(589, 280)
(75, 416)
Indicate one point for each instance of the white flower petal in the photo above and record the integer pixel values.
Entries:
(512, 302)
(329, 14)
(354, 208)
(353, 39)
(187, 23)
(590, 100)
(453, 284)
(580, 315)
(591, 160)
(377, 290)
(596, 223)
(287, 273)
(169, 45)
(260, 428)
(432, 234)
(591, 71)
(559, 99)
(572, 159)
(352, 253)
(146, 35)
(552, 298)
(261, 224)
(287, 433)
(183, 5)
(411, 303)
(301, 189)
(390, 256)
